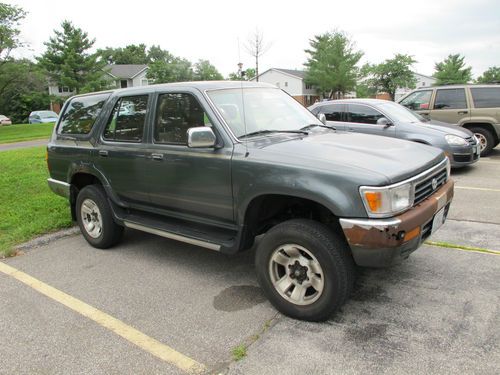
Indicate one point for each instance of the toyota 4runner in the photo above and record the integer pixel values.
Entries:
(216, 164)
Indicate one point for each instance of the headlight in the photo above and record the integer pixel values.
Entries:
(387, 201)
(454, 140)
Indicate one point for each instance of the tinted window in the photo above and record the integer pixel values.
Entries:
(81, 114)
(363, 114)
(450, 99)
(486, 97)
(175, 114)
(333, 112)
(127, 119)
(417, 100)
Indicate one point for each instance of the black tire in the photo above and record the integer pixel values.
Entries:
(331, 252)
(487, 139)
(110, 233)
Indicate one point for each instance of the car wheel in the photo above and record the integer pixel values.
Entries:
(305, 269)
(94, 218)
(485, 139)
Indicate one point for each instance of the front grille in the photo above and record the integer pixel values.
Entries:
(471, 141)
(424, 188)
(460, 158)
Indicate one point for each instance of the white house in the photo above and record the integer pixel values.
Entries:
(292, 82)
(123, 75)
(422, 81)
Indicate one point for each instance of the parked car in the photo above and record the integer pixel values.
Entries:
(4, 120)
(475, 107)
(382, 117)
(39, 117)
(216, 164)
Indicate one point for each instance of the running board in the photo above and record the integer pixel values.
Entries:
(172, 236)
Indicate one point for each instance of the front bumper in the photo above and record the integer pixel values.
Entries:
(462, 156)
(381, 242)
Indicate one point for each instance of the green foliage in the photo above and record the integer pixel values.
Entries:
(491, 75)
(28, 208)
(331, 66)
(25, 132)
(392, 73)
(248, 75)
(170, 68)
(452, 71)
(10, 16)
(23, 89)
(69, 63)
(204, 71)
(131, 54)
(239, 352)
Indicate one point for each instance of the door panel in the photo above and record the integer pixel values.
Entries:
(363, 119)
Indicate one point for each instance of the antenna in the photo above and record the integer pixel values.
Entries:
(241, 74)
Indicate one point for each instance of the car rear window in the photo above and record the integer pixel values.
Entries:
(81, 113)
(486, 97)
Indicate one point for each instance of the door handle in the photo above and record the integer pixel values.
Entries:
(462, 112)
(103, 153)
(157, 157)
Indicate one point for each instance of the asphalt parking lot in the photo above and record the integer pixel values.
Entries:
(117, 311)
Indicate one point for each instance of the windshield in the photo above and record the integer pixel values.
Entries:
(251, 110)
(400, 113)
(47, 114)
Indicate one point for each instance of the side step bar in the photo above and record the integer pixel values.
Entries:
(172, 236)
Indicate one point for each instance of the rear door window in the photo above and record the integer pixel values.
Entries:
(81, 113)
(362, 114)
(486, 97)
(126, 123)
(450, 99)
(333, 112)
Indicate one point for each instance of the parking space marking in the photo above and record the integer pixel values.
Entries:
(149, 344)
(462, 248)
(476, 188)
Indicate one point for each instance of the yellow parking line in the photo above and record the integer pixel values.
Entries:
(476, 188)
(161, 351)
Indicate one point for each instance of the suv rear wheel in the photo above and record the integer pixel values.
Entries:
(305, 269)
(94, 218)
(485, 138)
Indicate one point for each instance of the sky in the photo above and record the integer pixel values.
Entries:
(218, 30)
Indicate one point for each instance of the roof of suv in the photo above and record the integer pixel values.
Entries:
(459, 86)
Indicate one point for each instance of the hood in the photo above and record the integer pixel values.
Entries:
(392, 160)
(444, 128)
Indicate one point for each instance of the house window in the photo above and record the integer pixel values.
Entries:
(123, 83)
(146, 82)
(308, 86)
(64, 89)
(423, 83)
(286, 84)
(278, 84)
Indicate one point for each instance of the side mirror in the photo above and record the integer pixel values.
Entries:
(322, 118)
(201, 137)
(384, 122)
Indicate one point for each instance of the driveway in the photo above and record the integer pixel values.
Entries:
(71, 308)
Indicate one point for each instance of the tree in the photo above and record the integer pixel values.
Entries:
(170, 68)
(452, 70)
(257, 47)
(248, 74)
(10, 17)
(393, 73)
(131, 54)
(204, 71)
(331, 66)
(491, 75)
(68, 61)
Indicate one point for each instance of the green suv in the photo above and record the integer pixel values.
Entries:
(218, 164)
(475, 107)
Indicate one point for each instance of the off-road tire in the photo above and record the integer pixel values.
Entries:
(327, 247)
(110, 233)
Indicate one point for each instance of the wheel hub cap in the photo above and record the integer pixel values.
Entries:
(91, 218)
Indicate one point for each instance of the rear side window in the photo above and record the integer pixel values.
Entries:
(333, 112)
(81, 113)
(450, 99)
(363, 114)
(127, 119)
(175, 114)
(418, 100)
(486, 97)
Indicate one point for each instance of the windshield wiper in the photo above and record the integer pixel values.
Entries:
(320, 125)
(259, 132)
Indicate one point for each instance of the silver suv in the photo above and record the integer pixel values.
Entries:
(475, 107)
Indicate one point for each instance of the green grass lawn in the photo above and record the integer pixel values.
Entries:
(27, 206)
(25, 132)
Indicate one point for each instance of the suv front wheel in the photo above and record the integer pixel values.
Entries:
(94, 217)
(305, 269)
